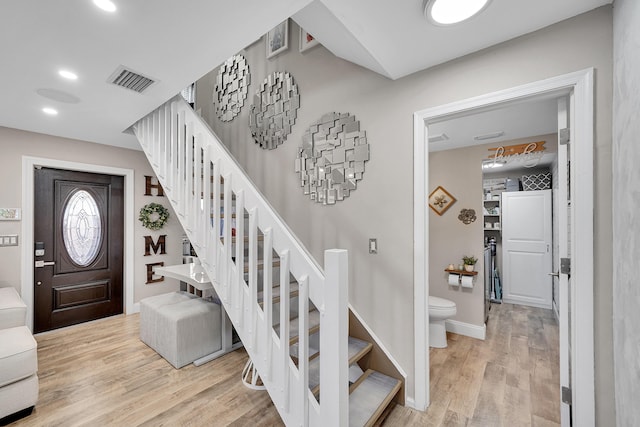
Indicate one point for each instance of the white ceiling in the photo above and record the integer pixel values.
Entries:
(175, 43)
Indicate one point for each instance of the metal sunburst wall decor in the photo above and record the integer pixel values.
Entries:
(231, 88)
(331, 158)
(274, 110)
(467, 216)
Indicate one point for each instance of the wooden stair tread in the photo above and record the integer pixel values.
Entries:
(275, 293)
(357, 349)
(314, 326)
(369, 397)
(260, 264)
(246, 238)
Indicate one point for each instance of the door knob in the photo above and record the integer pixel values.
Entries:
(556, 274)
(38, 283)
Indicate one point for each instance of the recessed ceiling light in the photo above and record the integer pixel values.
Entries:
(68, 74)
(448, 12)
(50, 111)
(106, 5)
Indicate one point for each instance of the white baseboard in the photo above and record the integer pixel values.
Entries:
(518, 301)
(135, 308)
(466, 329)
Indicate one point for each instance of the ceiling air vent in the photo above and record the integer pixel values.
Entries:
(130, 80)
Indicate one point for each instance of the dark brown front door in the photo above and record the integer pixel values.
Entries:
(79, 236)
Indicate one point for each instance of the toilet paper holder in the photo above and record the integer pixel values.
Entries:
(461, 277)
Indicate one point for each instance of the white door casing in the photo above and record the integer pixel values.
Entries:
(526, 248)
(582, 85)
(562, 280)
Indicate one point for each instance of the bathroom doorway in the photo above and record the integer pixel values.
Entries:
(580, 342)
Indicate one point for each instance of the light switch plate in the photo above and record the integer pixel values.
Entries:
(373, 246)
(9, 240)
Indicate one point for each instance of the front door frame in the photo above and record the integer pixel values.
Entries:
(582, 270)
(28, 166)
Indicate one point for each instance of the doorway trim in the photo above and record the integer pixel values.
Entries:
(581, 82)
(28, 166)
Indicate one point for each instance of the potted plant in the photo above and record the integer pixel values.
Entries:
(469, 262)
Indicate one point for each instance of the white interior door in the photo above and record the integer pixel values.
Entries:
(562, 278)
(526, 247)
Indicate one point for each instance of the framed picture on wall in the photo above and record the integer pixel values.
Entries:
(306, 41)
(278, 39)
(440, 200)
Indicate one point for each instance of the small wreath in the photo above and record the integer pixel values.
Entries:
(153, 216)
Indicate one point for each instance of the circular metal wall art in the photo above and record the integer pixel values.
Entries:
(231, 88)
(274, 110)
(467, 216)
(331, 158)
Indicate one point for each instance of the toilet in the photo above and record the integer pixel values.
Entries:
(440, 309)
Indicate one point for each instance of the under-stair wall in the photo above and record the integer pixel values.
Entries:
(228, 221)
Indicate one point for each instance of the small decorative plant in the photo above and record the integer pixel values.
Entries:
(469, 262)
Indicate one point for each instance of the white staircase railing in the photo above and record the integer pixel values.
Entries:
(207, 189)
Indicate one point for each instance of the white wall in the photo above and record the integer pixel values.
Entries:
(626, 205)
(16, 143)
(381, 286)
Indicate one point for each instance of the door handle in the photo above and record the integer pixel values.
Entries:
(40, 264)
(556, 274)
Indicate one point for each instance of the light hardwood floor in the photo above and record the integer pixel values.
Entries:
(510, 379)
(101, 374)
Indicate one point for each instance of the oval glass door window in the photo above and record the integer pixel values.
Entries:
(81, 228)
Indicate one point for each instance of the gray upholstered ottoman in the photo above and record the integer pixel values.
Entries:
(180, 327)
(13, 311)
(18, 368)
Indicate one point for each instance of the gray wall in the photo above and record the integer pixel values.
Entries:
(626, 205)
(16, 143)
(381, 286)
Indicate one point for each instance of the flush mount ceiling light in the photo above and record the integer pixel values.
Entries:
(106, 5)
(449, 12)
(491, 135)
(491, 164)
(50, 111)
(69, 75)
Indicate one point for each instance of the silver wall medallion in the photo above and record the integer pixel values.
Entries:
(274, 110)
(331, 158)
(231, 88)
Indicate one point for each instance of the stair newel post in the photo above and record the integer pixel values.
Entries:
(267, 300)
(303, 347)
(334, 331)
(253, 275)
(240, 247)
(285, 307)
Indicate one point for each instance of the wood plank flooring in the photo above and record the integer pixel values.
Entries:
(510, 379)
(101, 374)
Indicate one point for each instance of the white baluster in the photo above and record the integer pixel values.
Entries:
(253, 273)
(285, 308)
(303, 347)
(181, 183)
(267, 300)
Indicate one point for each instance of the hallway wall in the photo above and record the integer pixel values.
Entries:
(16, 143)
(626, 205)
(381, 286)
